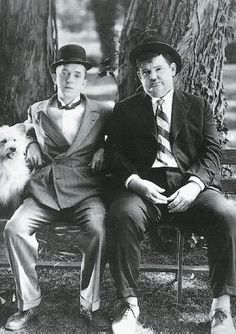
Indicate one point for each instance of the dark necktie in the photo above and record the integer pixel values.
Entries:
(164, 154)
(67, 107)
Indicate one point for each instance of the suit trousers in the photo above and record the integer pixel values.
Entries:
(211, 215)
(22, 248)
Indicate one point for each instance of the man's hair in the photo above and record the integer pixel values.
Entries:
(146, 56)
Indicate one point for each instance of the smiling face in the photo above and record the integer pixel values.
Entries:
(70, 80)
(156, 75)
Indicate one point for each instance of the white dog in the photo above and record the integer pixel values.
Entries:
(14, 172)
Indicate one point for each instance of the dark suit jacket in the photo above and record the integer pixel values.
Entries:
(66, 178)
(132, 142)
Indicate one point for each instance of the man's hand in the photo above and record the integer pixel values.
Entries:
(148, 190)
(34, 156)
(182, 199)
(98, 161)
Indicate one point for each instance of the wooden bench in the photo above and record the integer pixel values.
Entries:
(229, 187)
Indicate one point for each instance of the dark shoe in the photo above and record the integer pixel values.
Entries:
(97, 319)
(222, 322)
(20, 319)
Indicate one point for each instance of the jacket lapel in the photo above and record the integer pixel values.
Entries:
(180, 109)
(145, 114)
(53, 132)
(51, 129)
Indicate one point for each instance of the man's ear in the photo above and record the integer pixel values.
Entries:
(54, 78)
(173, 69)
(84, 82)
(139, 76)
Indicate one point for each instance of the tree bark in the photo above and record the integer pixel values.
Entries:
(28, 41)
(197, 29)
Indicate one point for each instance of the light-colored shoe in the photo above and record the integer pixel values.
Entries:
(221, 322)
(125, 320)
(21, 318)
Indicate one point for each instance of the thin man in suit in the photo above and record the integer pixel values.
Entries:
(164, 156)
(70, 130)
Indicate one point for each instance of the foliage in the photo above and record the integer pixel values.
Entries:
(75, 15)
(84, 17)
(108, 67)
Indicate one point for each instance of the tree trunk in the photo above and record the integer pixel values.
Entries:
(28, 40)
(105, 15)
(197, 29)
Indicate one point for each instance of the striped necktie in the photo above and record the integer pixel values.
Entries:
(164, 154)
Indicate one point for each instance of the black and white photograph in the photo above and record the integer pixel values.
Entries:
(118, 166)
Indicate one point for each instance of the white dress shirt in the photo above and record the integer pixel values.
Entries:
(68, 121)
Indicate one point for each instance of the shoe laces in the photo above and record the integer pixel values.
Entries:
(86, 313)
(219, 315)
(125, 310)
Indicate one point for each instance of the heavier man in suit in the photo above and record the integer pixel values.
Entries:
(164, 155)
(70, 130)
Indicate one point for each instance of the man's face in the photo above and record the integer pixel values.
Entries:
(156, 76)
(70, 80)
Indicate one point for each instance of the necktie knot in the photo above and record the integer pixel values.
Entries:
(68, 107)
(159, 111)
(160, 103)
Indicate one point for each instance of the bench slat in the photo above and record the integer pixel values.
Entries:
(228, 157)
(228, 185)
(150, 267)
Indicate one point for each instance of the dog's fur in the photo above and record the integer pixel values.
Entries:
(14, 173)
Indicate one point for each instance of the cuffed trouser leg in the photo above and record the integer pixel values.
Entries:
(89, 216)
(22, 250)
(215, 217)
(128, 218)
(211, 215)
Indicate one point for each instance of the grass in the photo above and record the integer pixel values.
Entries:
(159, 311)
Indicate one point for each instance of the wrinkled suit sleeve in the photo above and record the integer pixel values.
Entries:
(207, 164)
(30, 132)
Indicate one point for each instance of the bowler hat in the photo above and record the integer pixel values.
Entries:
(71, 53)
(152, 45)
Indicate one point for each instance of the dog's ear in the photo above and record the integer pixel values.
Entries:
(20, 127)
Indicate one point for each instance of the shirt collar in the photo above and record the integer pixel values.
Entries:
(69, 104)
(167, 97)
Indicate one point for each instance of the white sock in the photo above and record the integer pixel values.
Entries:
(132, 301)
(222, 302)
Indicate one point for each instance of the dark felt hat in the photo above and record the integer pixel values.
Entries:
(71, 53)
(155, 46)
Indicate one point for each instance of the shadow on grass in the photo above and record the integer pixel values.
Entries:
(159, 311)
